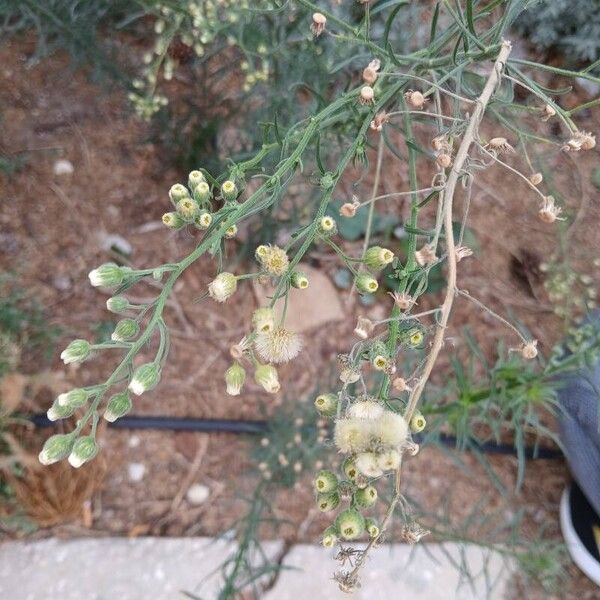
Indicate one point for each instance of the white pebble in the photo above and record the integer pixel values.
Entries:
(63, 167)
(136, 471)
(197, 494)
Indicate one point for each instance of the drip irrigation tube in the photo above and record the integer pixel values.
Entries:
(256, 427)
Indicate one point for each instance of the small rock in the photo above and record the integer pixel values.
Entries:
(197, 494)
(63, 167)
(62, 282)
(134, 441)
(136, 471)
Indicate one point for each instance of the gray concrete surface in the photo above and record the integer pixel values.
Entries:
(161, 568)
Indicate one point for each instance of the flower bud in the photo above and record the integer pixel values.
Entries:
(204, 219)
(350, 523)
(366, 284)
(325, 482)
(118, 406)
(327, 404)
(536, 179)
(222, 286)
(327, 226)
(58, 411)
(84, 450)
(56, 448)
(229, 191)
(327, 502)
(299, 280)
(365, 497)
(366, 463)
(349, 468)
(178, 192)
(266, 376)
(195, 178)
(234, 379)
(372, 528)
(125, 329)
(188, 209)
(417, 422)
(107, 275)
(231, 232)
(145, 377)
(261, 253)
(367, 95)
(263, 320)
(117, 304)
(76, 351)
(173, 220)
(73, 398)
(202, 193)
(414, 337)
(378, 355)
(378, 258)
(329, 539)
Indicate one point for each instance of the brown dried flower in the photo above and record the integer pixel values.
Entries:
(415, 99)
(319, 21)
(379, 120)
(549, 212)
(536, 178)
(367, 95)
(425, 256)
(500, 145)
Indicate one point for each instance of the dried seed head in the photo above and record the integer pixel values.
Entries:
(425, 256)
(349, 209)
(549, 212)
(415, 99)
(364, 328)
(443, 160)
(441, 144)
(548, 112)
(462, 252)
(222, 286)
(352, 435)
(536, 178)
(529, 350)
(400, 385)
(402, 300)
(367, 95)
(581, 140)
(389, 460)
(349, 375)
(319, 21)
(379, 120)
(369, 75)
(367, 465)
(365, 409)
(500, 145)
(278, 346)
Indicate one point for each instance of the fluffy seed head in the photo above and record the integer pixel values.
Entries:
(366, 463)
(367, 95)
(222, 286)
(389, 460)
(365, 409)
(425, 256)
(549, 212)
(364, 328)
(415, 99)
(352, 434)
(391, 430)
(231, 232)
(278, 346)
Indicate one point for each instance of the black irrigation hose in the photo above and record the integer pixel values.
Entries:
(235, 426)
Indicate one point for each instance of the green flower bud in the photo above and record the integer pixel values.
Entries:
(58, 411)
(74, 398)
(350, 523)
(117, 304)
(417, 422)
(107, 275)
(414, 337)
(299, 280)
(234, 379)
(325, 482)
(194, 178)
(377, 257)
(266, 376)
(173, 220)
(76, 351)
(125, 329)
(365, 497)
(327, 502)
(350, 470)
(372, 528)
(222, 286)
(231, 232)
(56, 448)
(229, 191)
(366, 284)
(84, 449)
(330, 538)
(263, 320)
(178, 192)
(378, 355)
(327, 226)
(202, 193)
(145, 377)
(327, 405)
(261, 253)
(118, 406)
(204, 219)
(188, 209)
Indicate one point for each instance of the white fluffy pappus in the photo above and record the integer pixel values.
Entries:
(352, 435)
(278, 346)
(389, 460)
(366, 409)
(390, 429)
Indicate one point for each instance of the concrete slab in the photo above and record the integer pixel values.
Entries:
(162, 568)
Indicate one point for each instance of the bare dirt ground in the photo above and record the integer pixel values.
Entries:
(53, 229)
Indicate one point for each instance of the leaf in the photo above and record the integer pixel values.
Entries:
(434, 20)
